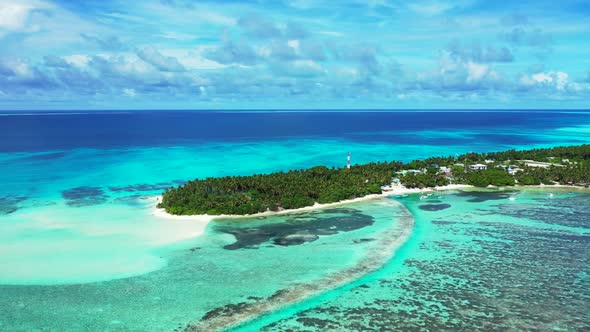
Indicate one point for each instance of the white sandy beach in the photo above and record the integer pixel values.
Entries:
(200, 221)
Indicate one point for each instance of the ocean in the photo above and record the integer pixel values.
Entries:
(80, 248)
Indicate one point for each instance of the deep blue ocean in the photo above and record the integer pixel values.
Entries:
(41, 131)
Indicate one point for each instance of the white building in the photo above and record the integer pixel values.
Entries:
(445, 169)
(513, 171)
(478, 167)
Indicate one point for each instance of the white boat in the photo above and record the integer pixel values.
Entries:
(423, 197)
(512, 198)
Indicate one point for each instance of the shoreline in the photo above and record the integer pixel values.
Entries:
(205, 218)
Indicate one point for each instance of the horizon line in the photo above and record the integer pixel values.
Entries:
(305, 110)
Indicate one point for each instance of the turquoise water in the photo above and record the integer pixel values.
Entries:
(484, 263)
(80, 248)
(211, 276)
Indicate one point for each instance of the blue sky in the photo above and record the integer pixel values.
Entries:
(180, 54)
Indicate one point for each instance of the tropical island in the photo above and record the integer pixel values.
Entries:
(258, 193)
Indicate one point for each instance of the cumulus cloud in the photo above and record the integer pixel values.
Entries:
(455, 74)
(159, 61)
(14, 14)
(551, 80)
(19, 75)
(316, 50)
(100, 75)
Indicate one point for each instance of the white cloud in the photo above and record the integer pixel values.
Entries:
(129, 92)
(475, 72)
(78, 60)
(16, 68)
(294, 44)
(158, 60)
(14, 15)
(561, 80)
(542, 78)
(193, 58)
(558, 80)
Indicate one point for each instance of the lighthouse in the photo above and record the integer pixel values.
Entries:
(348, 161)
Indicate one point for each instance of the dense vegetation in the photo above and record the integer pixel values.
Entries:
(299, 188)
(283, 190)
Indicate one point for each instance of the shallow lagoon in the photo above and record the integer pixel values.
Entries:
(217, 274)
(486, 263)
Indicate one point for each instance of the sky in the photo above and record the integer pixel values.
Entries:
(294, 54)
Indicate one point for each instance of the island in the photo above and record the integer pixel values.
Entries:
(279, 191)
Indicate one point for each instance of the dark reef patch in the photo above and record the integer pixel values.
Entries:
(443, 222)
(9, 204)
(147, 186)
(226, 310)
(434, 207)
(363, 240)
(571, 211)
(297, 229)
(132, 200)
(483, 196)
(339, 210)
(295, 239)
(84, 196)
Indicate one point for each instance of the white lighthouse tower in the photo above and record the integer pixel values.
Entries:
(348, 161)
